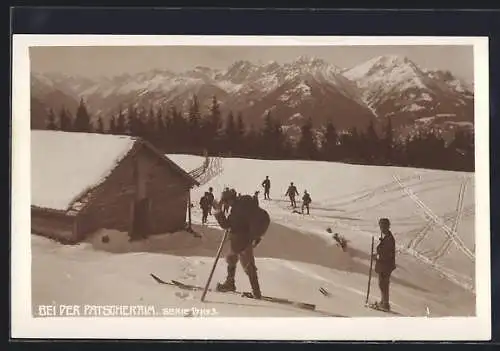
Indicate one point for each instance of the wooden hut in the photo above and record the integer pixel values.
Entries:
(82, 182)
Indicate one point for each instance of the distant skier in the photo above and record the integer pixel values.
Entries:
(205, 207)
(306, 200)
(211, 199)
(341, 241)
(385, 262)
(266, 184)
(256, 197)
(247, 223)
(226, 194)
(291, 193)
(233, 192)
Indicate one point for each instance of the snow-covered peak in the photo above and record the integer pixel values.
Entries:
(239, 71)
(41, 78)
(395, 66)
(309, 60)
(455, 83)
(242, 65)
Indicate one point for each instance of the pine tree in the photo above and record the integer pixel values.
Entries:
(82, 120)
(141, 123)
(151, 126)
(121, 125)
(178, 131)
(239, 135)
(51, 121)
(279, 141)
(252, 146)
(389, 142)
(135, 121)
(230, 134)
(266, 137)
(329, 147)
(100, 125)
(213, 127)
(112, 125)
(160, 121)
(307, 148)
(371, 150)
(65, 120)
(194, 124)
(350, 143)
(168, 134)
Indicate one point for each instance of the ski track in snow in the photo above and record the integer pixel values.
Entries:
(349, 204)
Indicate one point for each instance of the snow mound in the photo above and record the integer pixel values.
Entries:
(114, 241)
(65, 165)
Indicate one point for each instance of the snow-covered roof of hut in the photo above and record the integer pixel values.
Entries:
(65, 166)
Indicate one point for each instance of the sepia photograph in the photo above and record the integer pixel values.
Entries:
(231, 179)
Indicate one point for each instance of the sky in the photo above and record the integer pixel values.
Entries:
(95, 61)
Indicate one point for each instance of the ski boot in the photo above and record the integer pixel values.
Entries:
(382, 306)
(254, 283)
(227, 286)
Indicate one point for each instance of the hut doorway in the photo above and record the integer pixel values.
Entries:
(140, 219)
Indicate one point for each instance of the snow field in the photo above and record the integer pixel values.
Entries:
(351, 198)
(295, 258)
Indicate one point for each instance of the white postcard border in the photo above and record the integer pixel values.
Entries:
(23, 325)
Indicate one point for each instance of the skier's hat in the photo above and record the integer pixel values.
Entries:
(384, 221)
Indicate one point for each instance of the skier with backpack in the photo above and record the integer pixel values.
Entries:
(266, 184)
(306, 200)
(291, 193)
(246, 223)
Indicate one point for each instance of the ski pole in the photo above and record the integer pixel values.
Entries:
(219, 251)
(370, 272)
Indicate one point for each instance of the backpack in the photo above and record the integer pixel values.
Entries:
(256, 219)
(260, 223)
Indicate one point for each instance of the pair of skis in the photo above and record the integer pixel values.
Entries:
(298, 304)
(190, 287)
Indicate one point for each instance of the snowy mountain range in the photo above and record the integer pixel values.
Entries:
(304, 88)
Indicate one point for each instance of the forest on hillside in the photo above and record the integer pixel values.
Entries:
(191, 132)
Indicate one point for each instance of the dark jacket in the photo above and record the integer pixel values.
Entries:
(292, 191)
(246, 222)
(386, 255)
(210, 198)
(225, 196)
(256, 199)
(266, 184)
(306, 199)
(204, 203)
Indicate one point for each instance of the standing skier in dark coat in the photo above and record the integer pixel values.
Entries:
(226, 194)
(256, 197)
(385, 261)
(291, 193)
(246, 223)
(211, 198)
(205, 207)
(266, 184)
